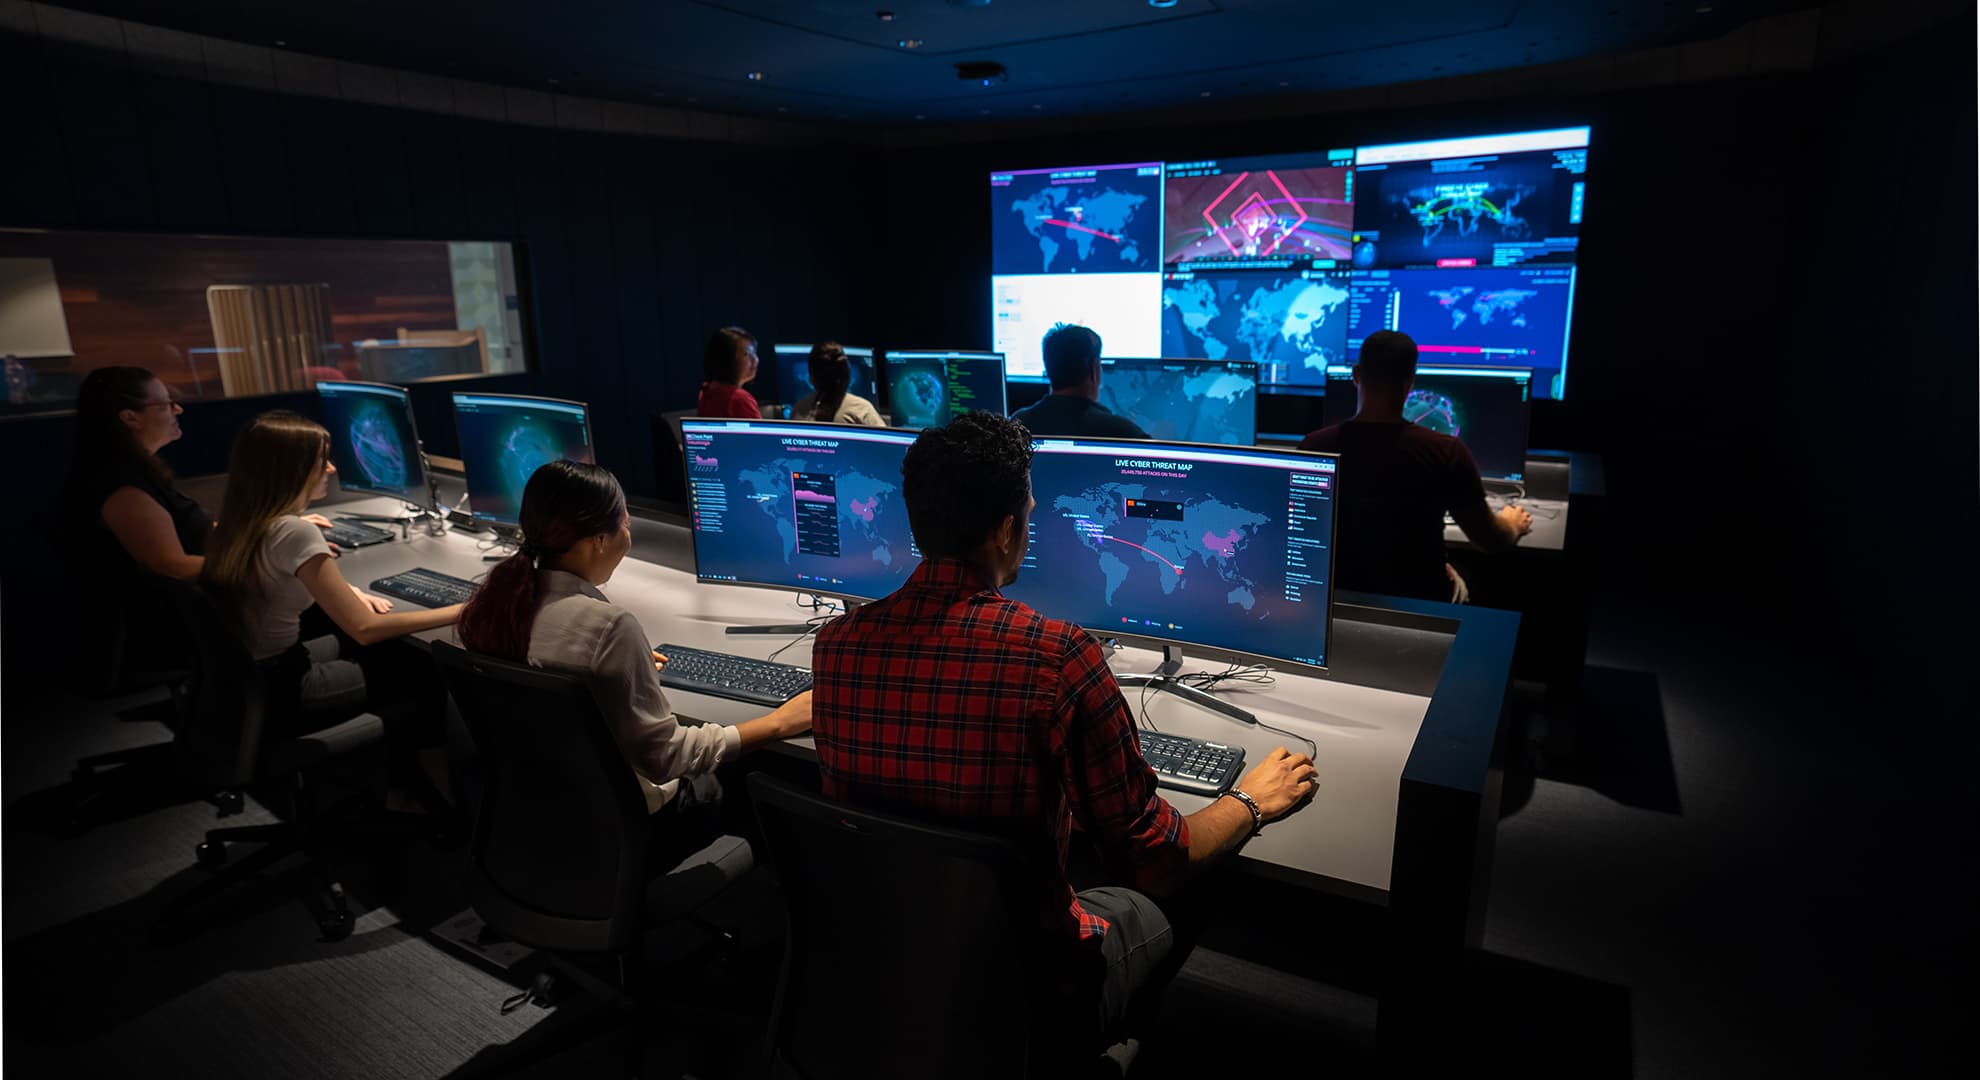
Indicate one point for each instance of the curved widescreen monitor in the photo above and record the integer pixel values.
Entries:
(505, 438)
(372, 439)
(929, 389)
(794, 372)
(1225, 548)
(809, 507)
(1205, 401)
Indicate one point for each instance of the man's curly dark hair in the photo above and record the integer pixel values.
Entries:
(963, 480)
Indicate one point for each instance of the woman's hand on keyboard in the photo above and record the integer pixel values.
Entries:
(377, 603)
(659, 660)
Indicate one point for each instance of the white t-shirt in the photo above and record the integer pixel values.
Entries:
(274, 613)
(853, 410)
(577, 630)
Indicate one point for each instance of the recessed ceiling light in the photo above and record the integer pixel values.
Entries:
(884, 16)
(921, 116)
(553, 82)
(1161, 3)
(1206, 93)
(281, 44)
(1283, 82)
(781, 108)
(754, 76)
(909, 43)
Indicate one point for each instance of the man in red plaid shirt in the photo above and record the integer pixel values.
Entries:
(946, 701)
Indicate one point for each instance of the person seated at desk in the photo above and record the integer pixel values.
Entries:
(120, 506)
(1398, 481)
(543, 606)
(1072, 363)
(728, 363)
(830, 400)
(267, 564)
(947, 701)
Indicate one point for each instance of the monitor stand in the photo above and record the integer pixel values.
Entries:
(1164, 680)
(785, 628)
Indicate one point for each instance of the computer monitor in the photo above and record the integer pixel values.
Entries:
(929, 389)
(794, 372)
(1482, 201)
(1516, 317)
(1224, 548)
(505, 438)
(1488, 409)
(1294, 323)
(372, 439)
(1183, 400)
(810, 507)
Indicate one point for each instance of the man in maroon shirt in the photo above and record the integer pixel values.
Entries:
(728, 363)
(947, 701)
(1398, 480)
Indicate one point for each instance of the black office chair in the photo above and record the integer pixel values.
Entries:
(226, 745)
(558, 860)
(914, 952)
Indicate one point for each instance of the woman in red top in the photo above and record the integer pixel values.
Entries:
(727, 364)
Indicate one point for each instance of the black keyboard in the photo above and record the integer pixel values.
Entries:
(350, 533)
(427, 588)
(1192, 765)
(736, 677)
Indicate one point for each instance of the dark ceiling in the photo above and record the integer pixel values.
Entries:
(837, 59)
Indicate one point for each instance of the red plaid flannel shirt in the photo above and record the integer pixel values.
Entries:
(947, 701)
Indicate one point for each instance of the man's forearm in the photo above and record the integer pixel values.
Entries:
(1216, 830)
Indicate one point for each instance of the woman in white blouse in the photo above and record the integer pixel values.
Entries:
(832, 400)
(542, 605)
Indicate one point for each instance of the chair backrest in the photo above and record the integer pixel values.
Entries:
(914, 948)
(558, 859)
(227, 718)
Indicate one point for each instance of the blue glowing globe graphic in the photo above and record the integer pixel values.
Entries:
(374, 442)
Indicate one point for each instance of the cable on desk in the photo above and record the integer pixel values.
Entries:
(811, 627)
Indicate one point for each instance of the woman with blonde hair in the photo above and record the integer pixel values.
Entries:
(266, 565)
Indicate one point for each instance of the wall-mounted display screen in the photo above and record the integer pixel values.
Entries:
(1289, 261)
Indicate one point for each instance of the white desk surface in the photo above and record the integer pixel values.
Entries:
(1364, 735)
(1549, 523)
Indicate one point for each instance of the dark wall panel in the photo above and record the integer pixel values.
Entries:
(34, 186)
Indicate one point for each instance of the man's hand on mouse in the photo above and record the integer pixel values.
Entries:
(1516, 517)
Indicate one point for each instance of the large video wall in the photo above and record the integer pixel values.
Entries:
(1466, 244)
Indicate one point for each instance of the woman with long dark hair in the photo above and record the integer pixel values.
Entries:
(831, 399)
(266, 565)
(121, 507)
(728, 363)
(542, 606)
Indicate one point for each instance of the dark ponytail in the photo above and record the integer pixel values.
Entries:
(831, 378)
(565, 502)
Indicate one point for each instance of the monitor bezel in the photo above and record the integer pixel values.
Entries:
(694, 533)
(467, 481)
(1200, 648)
(1255, 385)
(946, 355)
(411, 496)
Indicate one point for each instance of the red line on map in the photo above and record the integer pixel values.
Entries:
(1132, 544)
(1082, 228)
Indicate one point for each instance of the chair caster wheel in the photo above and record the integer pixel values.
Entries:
(335, 926)
(229, 803)
(211, 853)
